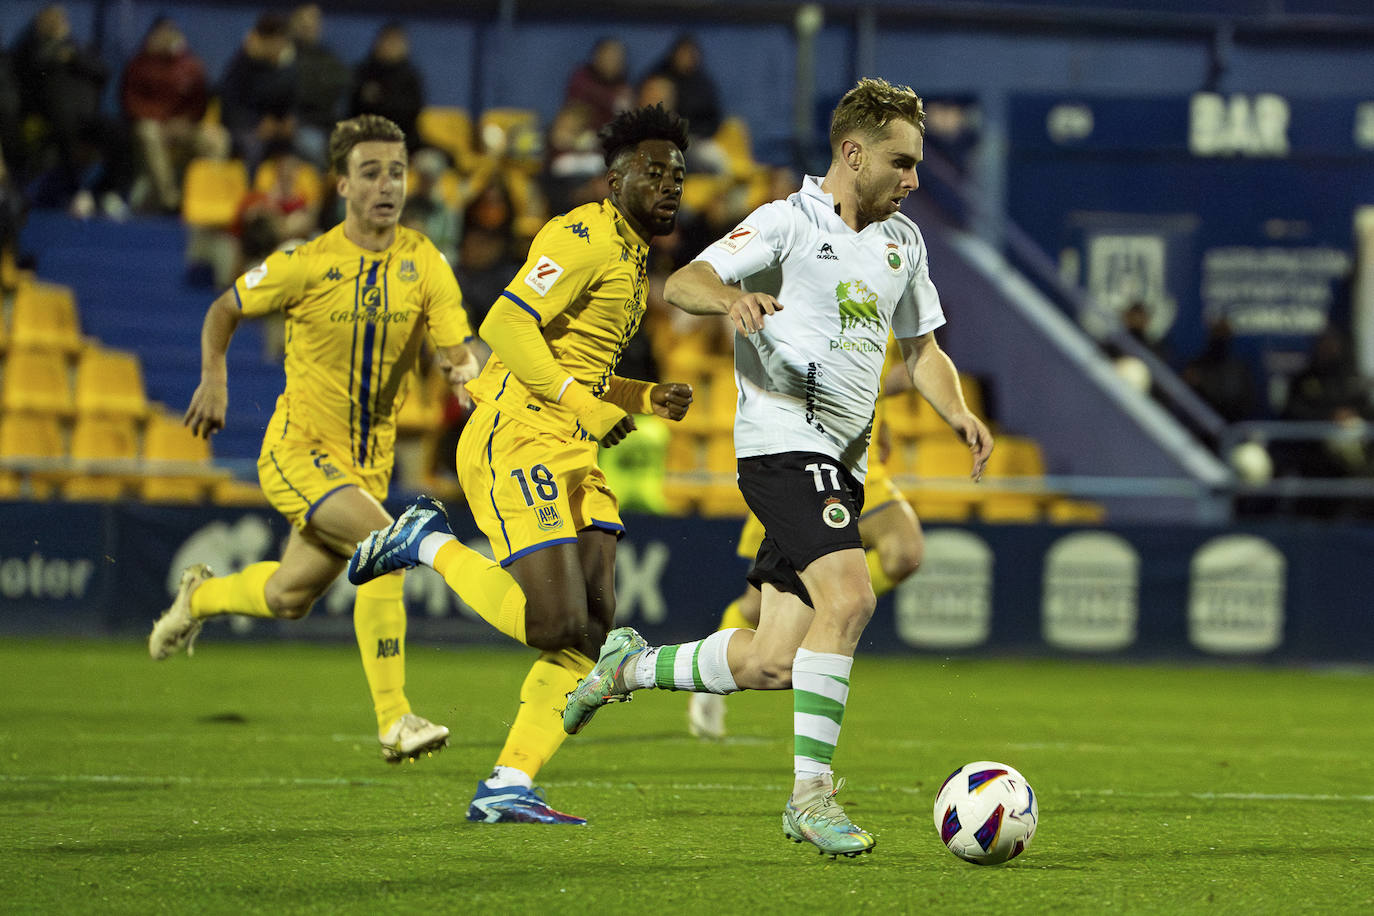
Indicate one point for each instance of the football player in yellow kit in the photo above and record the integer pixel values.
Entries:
(546, 400)
(358, 301)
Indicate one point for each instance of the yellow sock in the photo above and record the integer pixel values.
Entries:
(487, 588)
(244, 592)
(881, 583)
(379, 621)
(538, 729)
(732, 619)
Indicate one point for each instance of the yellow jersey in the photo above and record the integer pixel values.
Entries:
(355, 320)
(585, 282)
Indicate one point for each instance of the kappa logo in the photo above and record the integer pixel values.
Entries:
(738, 238)
(581, 232)
(827, 253)
(543, 275)
(334, 274)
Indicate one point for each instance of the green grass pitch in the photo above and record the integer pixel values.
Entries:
(247, 779)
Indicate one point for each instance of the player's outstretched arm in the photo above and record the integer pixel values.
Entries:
(210, 401)
(697, 290)
(460, 365)
(668, 400)
(934, 375)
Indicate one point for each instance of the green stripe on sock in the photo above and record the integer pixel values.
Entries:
(816, 704)
(696, 672)
(663, 667)
(812, 749)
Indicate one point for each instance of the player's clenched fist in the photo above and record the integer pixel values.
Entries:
(671, 400)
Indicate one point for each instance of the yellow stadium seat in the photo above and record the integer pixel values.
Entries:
(176, 464)
(32, 446)
(45, 316)
(448, 129)
(734, 140)
(973, 395)
(945, 492)
(36, 380)
(1014, 458)
(308, 182)
(212, 191)
(1063, 511)
(515, 134)
(110, 382)
(104, 453)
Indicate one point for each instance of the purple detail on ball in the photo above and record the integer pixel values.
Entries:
(987, 834)
(949, 826)
(1017, 849)
(947, 779)
(977, 780)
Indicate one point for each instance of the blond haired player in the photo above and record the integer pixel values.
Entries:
(891, 533)
(826, 275)
(358, 303)
(527, 457)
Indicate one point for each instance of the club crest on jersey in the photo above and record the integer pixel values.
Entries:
(543, 275)
(894, 256)
(255, 276)
(547, 518)
(834, 513)
(408, 272)
(738, 238)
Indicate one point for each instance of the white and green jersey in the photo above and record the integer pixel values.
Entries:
(808, 381)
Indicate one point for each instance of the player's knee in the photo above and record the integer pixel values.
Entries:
(553, 632)
(288, 603)
(903, 559)
(774, 674)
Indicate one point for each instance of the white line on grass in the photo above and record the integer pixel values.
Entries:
(336, 782)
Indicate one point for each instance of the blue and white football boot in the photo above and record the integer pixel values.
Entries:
(515, 805)
(397, 546)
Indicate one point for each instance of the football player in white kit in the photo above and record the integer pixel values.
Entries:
(813, 284)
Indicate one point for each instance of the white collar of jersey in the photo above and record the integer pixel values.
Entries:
(811, 187)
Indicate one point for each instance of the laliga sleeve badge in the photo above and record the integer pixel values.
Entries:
(834, 513)
(255, 276)
(738, 238)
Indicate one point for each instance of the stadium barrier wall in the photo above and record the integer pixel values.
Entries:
(1282, 593)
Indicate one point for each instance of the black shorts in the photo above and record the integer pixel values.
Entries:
(809, 505)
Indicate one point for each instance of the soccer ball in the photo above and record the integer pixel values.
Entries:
(986, 813)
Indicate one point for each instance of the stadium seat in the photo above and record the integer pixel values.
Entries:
(45, 317)
(1014, 458)
(945, 492)
(211, 192)
(36, 380)
(309, 183)
(176, 464)
(104, 453)
(32, 447)
(514, 134)
(110, 382)
(734, 140)
(448, 129)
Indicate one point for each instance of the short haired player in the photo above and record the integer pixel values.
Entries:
(358, 302)
(826, 274)
(527, 458)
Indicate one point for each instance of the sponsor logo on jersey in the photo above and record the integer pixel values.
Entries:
(547, 518)
(834, 513)
(408, 273)
(255, 276)
(334, 274)
(325, 465)
(738, 238)
(581, 232)
(826, 253)
(858, 306)
(543, 275)
(894, 256)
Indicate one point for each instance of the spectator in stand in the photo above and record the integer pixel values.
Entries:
(387, 83)
(600, 83)
(324, 81)
(164, 95)
(1221, 378)
(60, 84)
(278, 216)
(575, 172)
(426, 209)
(11, 137)
(258, 94)
(681, 84)
(1331, 390)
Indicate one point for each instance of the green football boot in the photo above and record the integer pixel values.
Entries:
(818, 819)
(606, 681)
